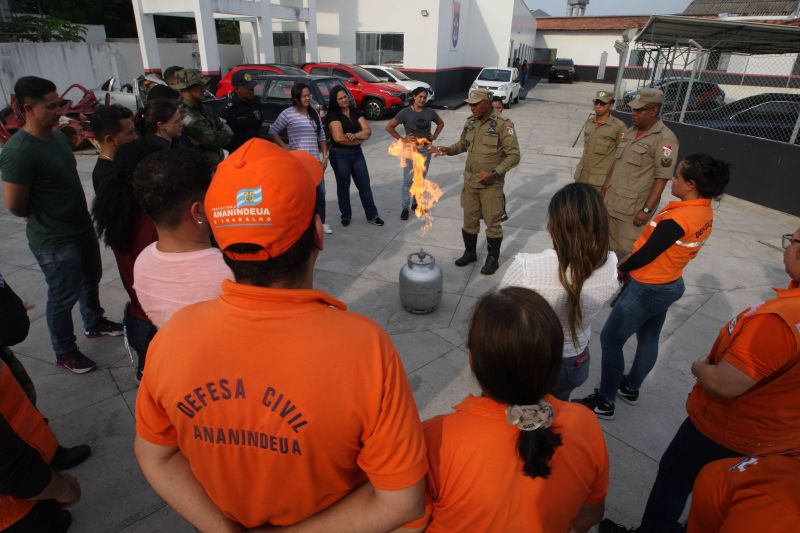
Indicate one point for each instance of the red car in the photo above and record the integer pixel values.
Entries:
(224, 86)
(374, 97)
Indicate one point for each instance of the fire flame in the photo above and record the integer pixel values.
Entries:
(423, 190)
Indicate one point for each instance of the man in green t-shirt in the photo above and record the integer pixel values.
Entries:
(41, 185)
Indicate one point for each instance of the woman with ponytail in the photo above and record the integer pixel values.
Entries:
(514, 458)
(124, 228)
(160, 122)
(576, 277)
(654, 279)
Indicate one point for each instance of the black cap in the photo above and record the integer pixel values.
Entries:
(243, 79)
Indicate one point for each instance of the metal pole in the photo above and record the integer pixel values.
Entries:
(623, 60)
(793, 137)
(691, 80)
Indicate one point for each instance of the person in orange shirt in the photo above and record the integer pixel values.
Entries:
(653, 274)
(272, 405)
(515, 458)
(744, 402)
(747, 494)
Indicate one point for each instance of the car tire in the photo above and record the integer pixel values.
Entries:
(508, 105)
(516, 99)
(374, 109)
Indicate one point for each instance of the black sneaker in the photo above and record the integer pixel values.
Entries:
(66, 458)
(504, 218)
(345, 222)
(377, 221)
(104, 327)
(607, 526)
(626, 393)
(404, 214)
(75, 362)
(598, 403)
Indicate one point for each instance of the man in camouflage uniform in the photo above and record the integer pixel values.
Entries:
(202, 127)
(492, 150)
(602, 134)
(645, 160)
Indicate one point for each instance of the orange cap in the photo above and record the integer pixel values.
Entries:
(263, 195)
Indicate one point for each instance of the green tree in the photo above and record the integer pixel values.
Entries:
(45, 29)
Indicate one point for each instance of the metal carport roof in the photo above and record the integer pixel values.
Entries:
(721, 35)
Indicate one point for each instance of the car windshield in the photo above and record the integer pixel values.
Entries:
(563, 63)
(365, 75)
(495, 74)
(399, 75)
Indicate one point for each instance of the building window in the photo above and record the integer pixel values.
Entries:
(636, 58)
(290, 47)
(718, 61)
(379, 48)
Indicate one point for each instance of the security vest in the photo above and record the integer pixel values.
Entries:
(766, 418)
(696, 218)
(29, 424)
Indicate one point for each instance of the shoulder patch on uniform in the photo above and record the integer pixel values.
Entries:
(510, 128)
(666, 150)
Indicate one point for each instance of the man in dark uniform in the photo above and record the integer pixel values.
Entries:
(492, 150)
(242, 112)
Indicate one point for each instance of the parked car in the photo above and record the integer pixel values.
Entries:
(374, 97)
(224, 86)
(274, 92)
(705, 95)
(502, 81)
(390, 74)
(562, 69)
(768, 116)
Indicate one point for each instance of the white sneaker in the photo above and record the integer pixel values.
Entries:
(327, 229)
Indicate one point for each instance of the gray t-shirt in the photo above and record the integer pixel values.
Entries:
(417, 123)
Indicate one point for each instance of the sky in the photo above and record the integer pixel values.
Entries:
(558, 8)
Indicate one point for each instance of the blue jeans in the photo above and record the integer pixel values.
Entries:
(72, 272)
(347, 163)
(138, 334)
(686, 455)
(320, 207)
(408, 177)
(574, 372)
(640, 309)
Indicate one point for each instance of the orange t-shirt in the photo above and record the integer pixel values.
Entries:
(476, 481)
(760, 343)
(281, 401)
(747, 494)
(28, 423)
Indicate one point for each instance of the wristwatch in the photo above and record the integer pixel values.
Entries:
(646, 210)
(495, 175)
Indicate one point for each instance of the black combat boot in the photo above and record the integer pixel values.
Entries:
(470, 242)
(493, 255)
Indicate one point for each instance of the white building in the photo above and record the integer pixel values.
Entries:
(443, 42)
(588, 41)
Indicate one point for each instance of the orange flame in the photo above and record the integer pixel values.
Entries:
(426, 192)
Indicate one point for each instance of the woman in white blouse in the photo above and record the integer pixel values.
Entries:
(577, 276)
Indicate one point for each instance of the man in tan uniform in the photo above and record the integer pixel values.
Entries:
(644, 162)
(602, 134)
(492, 150)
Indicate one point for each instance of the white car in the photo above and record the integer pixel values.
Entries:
(502, 81)
(395, 76)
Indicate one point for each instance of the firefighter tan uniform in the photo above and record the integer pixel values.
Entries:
(492, 146)
(600, 141)
(638, 163)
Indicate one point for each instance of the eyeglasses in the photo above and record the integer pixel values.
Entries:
(787, 240)
(600, 102)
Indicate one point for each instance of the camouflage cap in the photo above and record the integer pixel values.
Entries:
(645, 97)
(188, 77)
(478, 95)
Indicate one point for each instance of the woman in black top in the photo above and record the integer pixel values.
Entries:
(348, 130)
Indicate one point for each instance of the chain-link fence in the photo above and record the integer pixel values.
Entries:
(749, 94)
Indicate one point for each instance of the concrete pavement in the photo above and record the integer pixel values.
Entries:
(360, 265)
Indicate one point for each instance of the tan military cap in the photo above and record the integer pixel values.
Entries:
(478, 95)
(605, 96)
(645, 97)
(188, 77)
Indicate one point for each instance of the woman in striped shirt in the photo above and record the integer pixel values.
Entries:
(304, 129)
